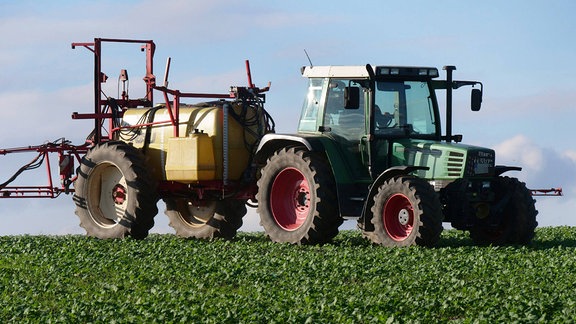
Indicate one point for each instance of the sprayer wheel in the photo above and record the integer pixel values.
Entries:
(205, 219)
(114, 193)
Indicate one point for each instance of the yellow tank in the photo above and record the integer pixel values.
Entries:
(190, 158)
(165, 153)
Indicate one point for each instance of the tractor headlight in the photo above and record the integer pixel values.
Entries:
(407, 71)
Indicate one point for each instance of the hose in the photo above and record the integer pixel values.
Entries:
(36, 162)
(29, 166)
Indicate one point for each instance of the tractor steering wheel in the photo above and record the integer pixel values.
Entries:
(383, 120)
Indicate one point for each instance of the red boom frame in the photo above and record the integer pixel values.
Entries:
(105, 111)
(67, 153)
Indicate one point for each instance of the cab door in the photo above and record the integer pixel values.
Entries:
(346, 123)
(403, 110)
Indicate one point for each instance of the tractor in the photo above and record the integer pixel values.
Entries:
(369, 147)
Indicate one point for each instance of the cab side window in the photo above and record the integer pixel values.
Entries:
(347, 123)
(311, 106)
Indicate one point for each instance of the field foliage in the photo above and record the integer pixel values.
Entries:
(167, 279)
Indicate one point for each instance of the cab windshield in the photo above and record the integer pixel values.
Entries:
(404, 108)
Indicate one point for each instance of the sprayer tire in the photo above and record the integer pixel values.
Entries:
(115, 195)
(296, 198)
(518, 217)
(406, 211)
(206, 220)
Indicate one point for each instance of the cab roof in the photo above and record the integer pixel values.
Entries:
(368, 71)
(336, 71)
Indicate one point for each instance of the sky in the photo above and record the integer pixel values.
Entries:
(522, 51)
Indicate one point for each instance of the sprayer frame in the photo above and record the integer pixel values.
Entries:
(108, 109)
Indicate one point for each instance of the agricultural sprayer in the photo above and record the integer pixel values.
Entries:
(369, 147)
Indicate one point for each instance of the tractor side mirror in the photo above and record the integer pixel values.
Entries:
(476, 99)
(351, 98)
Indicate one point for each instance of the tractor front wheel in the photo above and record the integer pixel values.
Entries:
(406, 211)
(114, 193)
(205, 219)
(296, 198)
(517, 215)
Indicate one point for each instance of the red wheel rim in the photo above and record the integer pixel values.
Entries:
(119, 194)
(290, 199)
(398, 216)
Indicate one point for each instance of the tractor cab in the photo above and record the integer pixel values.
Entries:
(374, 120)
(397, 101)
(370, 110)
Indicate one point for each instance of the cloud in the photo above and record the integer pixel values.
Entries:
(31, 117)
(520, 149)
(571, 154)
(542, 166)
(538, 103)
(187, 23)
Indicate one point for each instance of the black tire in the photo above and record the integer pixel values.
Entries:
(115, 195)
(518, 216)
(296, 198)
(205, 220)
(406, 211)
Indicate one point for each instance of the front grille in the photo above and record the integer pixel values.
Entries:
(455, 164)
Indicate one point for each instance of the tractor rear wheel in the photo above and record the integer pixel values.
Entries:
(517, 221)
(205, 220)
(114, 193)
(296, 198)
(406, 211)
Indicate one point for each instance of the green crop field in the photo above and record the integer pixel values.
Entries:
(167, 279)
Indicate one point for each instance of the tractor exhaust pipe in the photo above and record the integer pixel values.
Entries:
(449, 87)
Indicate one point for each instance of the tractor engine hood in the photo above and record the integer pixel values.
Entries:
(447, 161)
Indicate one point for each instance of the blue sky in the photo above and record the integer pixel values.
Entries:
(521, 50)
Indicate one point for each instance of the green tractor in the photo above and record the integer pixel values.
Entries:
(370, 147)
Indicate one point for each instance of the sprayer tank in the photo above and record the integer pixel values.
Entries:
(198, 153)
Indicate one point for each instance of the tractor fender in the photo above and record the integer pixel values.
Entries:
(326, 147)
(270, 143)
(499, 169)
(387, 174)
